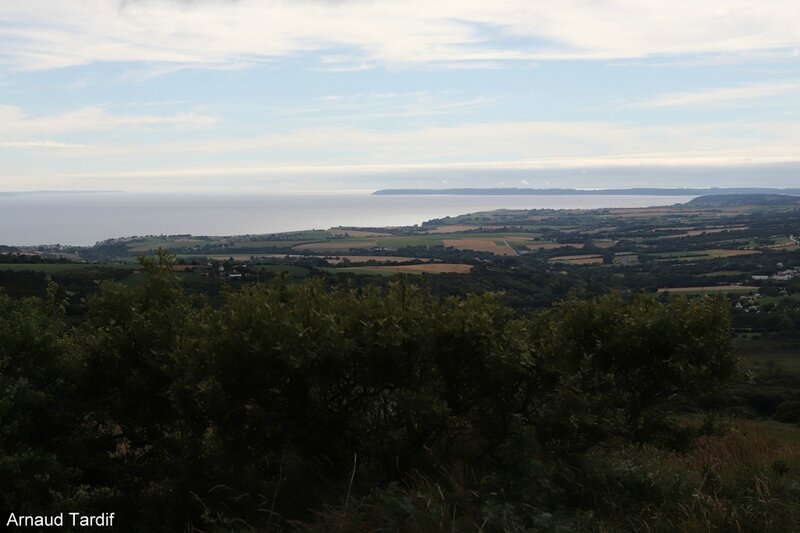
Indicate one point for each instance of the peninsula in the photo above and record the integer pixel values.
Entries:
(637, 191)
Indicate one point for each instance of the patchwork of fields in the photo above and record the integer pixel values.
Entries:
(713, 243)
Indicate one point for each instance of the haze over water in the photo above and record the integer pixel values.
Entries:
(85, 218)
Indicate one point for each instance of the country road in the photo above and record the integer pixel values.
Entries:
(515, 252)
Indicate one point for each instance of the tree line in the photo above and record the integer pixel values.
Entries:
(290, 403)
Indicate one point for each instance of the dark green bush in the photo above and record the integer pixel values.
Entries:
(290, 397)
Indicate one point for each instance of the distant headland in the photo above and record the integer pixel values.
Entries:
(638, 191)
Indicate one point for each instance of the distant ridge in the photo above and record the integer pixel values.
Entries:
(638, 191)
(735, 200)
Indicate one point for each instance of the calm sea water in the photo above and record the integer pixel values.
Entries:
(83, 219)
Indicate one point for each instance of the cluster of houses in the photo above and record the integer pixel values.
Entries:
(221, 271)
(783, 275)
(749, 303)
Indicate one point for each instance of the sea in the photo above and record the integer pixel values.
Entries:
(77, 218)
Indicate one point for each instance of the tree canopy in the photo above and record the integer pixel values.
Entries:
(289, 397)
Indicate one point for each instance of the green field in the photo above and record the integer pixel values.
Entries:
(53, 268)
(294, 271)
(722, 289)
(763, 354)
(362, 271)
(421, 239)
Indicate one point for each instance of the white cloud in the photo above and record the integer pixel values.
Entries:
(501, 145)
(40, 145)
(15, 123)
(366, 106)
(353, 34)
(722, 96)
(643, 162)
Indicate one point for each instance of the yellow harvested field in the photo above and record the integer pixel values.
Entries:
(453, 229)
(783, 245)
(730, 253)
(711, 288)
(578, 259)
(480, 245)
(694, 232)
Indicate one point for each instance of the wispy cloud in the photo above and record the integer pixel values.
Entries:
(367, 106)
(721, 96)
(476, 145)
(27, 145)
(42, 34)
(596, 153)
(642, 161)
(15, 122)
(157, 103)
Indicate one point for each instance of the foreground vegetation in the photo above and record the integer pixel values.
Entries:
(294, 406)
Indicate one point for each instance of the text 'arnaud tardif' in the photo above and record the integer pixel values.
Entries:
(61, 520)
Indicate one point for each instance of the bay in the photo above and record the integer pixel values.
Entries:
(85, 218)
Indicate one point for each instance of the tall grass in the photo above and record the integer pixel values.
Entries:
(745, 480)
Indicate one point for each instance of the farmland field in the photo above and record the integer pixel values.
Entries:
(625, 258)
(710, 289)
(703, 254)
(586, 259)
(52, 268)
(344, 232)
(455, 228)
(342, 244)
(545, 245)
(481, 245)
(428, 268)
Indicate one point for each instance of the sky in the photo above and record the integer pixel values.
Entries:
(356, 95)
